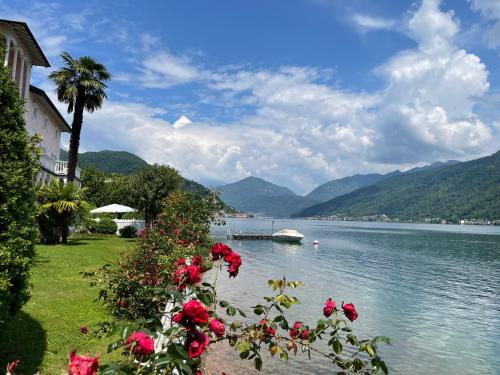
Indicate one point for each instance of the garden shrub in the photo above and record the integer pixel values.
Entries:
(181, 230)
(106, 226)
(19, 165)
(128, 231)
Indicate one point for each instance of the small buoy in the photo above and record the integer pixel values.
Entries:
(315, 242)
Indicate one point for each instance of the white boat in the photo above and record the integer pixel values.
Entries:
(288, 235)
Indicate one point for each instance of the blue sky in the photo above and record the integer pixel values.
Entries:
(297, 92)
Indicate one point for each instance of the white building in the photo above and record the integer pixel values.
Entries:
(22, 52)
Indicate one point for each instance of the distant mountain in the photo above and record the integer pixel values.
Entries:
(345, 185)
(122, 162)
(256, 195)
(464, 190)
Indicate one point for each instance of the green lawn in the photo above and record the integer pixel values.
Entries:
(62, 301)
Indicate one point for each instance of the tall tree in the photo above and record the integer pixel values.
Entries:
(18, 168)
(81, 83)
(150, 186)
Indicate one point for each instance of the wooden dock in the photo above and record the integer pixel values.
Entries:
(251, 236)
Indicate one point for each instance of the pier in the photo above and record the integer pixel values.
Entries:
(251, 236)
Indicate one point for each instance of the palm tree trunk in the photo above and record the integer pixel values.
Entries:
(64, 235)
(74, 142)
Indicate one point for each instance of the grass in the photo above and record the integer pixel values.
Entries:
(48, 327)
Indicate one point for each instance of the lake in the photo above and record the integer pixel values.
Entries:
(433, 289)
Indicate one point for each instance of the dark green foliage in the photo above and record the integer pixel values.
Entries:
(96, 192)
(256, 195)
(465, 190)
(128, 231)
(61, 205)
(18, 167)
(106, 226)
(150, 186)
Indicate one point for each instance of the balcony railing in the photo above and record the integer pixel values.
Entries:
(58, 167)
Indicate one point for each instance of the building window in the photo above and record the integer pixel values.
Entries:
(35, 113)
(45, 124)
(57, 134)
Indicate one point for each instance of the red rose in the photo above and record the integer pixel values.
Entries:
(220, 250)
(329, 307)
(234, 260)
(349, 311)
(198, 261)
(84, 329)
(177, 318)
(217, 327)
(295, 331)
(193, 312)
(140, 343)
(305, 334)
(197, 343)
(122, 303)
(269, 330)
(82, 365)
(187, 275)
(11, 366)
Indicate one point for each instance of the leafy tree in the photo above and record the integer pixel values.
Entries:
(95, 183)
(80, 84)
(150, 186)
(19, 165)
(62, 204)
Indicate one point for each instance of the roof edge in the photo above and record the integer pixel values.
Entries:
(37, 91)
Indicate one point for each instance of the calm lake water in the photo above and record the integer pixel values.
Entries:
(433, 289)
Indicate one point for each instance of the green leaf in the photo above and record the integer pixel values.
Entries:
(257, 362)
(337, 346)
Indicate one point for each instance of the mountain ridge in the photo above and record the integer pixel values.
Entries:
(466, 189)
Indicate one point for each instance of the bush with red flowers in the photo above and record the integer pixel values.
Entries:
(173, 314)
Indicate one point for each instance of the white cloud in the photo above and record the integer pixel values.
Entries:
(163, 69)
(181, 122)
(367, 22)
(490, 10)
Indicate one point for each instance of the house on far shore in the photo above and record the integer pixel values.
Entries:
(22, 52)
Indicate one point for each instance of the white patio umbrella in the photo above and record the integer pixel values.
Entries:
(113, 209)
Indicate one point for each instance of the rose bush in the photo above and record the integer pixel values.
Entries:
(173, 314)
(194, 319)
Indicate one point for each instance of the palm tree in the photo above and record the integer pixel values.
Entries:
(80, 84)
(61, 205)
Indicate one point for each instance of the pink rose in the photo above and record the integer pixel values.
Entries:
(193, 312)
(329, 307)
(140, 343)
(217, 327)
(82, 365)
(197, 344)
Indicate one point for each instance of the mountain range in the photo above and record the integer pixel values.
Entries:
(259, 196)
(461, 190)
(447, 190)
